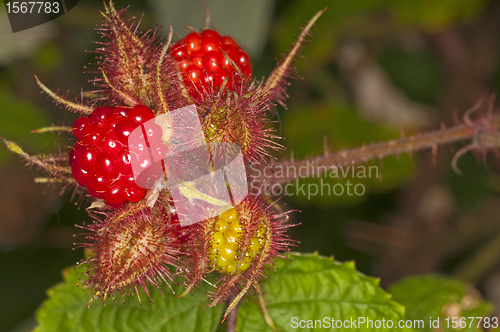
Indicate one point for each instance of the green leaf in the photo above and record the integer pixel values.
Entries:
(440, 297)
(66, 310)
(312, 287)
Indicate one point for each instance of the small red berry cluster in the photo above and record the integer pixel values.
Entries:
(100, 160)
(201, 59)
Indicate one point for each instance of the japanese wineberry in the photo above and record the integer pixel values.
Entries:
(100, 160)
(206, 59)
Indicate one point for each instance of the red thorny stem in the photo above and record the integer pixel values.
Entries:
(483, 134)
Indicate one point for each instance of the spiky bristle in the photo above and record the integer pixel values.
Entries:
(239, 117)
(256, 218)
(276, 83)
(135, 246)
(135, 67)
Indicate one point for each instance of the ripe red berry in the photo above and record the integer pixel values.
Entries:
(201, 59)
(99, 115)
(210, 33)
(100, 159)
(79, 126)
(140, 114)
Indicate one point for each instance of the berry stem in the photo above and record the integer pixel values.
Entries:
(232, 319)
(51, 129)
(70, 105)
(36, 160)
(53, 180)
(123, 96)
(206, 25)
(159, 83)
(280, 72)
(483, 134)
(263, 307)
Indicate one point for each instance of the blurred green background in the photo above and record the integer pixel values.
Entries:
(372, 70)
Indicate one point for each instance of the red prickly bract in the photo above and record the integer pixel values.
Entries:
(276, 83)
(239, 117)
(134, 246)
(256, 234)
(238, 112)
(135, 67)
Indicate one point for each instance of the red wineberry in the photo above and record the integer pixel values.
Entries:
(95, 193)
(122, 110)
(81, 176)
(214, 61)
(179, 51)
(192, 42)
(134, 194)
(100, 160)
(79, 126)
(196, 58)
(124, 128)
(210, 33)
(140, 114)
(106, 165)
(100, 114)
(72, 157)
(209, 44)
(115, 194)
(194, 75)
(99, 182)
(112, 121)
(123, 164)
(127, 181)
(226, 40)
(111, 143)
(86, 155)
(203, 61)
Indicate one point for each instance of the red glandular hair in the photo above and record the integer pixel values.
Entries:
(253, 213)
(136, 246)
(135, 69)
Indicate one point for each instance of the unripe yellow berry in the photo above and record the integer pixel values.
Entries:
(235, 227)
(231, 237)
(220, 225)
(228, 253)
(243, 266)
(230, 216)
(217, 239)
(225, 241)
(255, 245)
(222, 261)
(230, 269)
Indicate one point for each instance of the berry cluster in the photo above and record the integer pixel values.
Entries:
(121, 150)
(225, 253)
(100, 160)
(203, 61)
